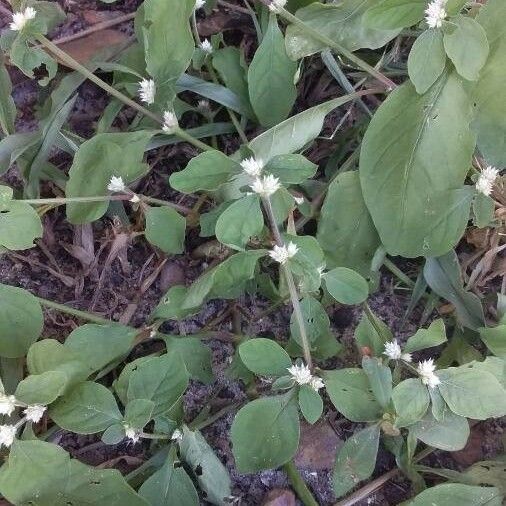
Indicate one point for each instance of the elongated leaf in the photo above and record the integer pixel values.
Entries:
(467, 46)
(46, 472)
(427, 338)
(356, 460)
(419, 209)
(341, 23)
(390, 14)
(380, 379)
(275, 423)
(98, 159)
(272, 91)
(411, 400)
(21, 321)
(426, 60)
(456, 493)
(7, 106)
(346, 232)
(490, 121)
(444, 277)
(495, 339)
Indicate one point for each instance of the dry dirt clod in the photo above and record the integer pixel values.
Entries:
(279, 497)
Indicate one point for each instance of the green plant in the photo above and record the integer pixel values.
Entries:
(440, 129)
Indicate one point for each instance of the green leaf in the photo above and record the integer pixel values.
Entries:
(316, 321)
(351, 394)
(488, 472)
(493, 365)
(207, 171)
(195, 354)
(271, 74)
(6, 194)
(356, 460)
(467, 47)
(295, 132)
(168, 40)
(411, 401)
(49, 476)
(310, 403)
(19, 226)
(165, 228)
(211, 475)
(343, 23)
(426, 60)
(490, 122)
(391, 14)
(372, 333)
(346, 285)
(170, 485)
(495, 340)
(455, 493)
(170, 307)
(120, 385)
(483, 210)
(86, 409)
(427, 338)
(450, 433)
(41, 388)
(229, 62)
(239, 222)
(96, 161)
(162, 379)
(291, 169)
(443, 275)
(265, 433)
(99, 345)
(7, 105)
(472, 393)
(418, 208)
(346, 232)
(264, 357)
(380, 379)
(138, 413)
(21, 321)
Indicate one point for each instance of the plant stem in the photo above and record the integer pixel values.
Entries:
(398, 273)
(299, 485)
(337, 47)
(216, 416)
(153, 200)
(294, 296)
(83, 315)
(69, 200)
(70, 62)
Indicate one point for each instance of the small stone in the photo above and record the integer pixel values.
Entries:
(279, 497)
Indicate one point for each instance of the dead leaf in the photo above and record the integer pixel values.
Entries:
(318, 446)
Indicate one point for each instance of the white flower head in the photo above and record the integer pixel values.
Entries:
(206, 46)
(19, 19)
(426, 371)
(316, 383)
(177, 435)
(170, 122)
(266, 186)
(252, 166)
(199, 4)
(34, 413)
(133, 434)
(435, 13)
(282, 254)
(299, 200)
(147, 91)
(486, 181)
(277, 5)
(7, 434)
(321, 270)
(407, 357)
(393, 350)
(203, 105)
(300, 374)
(116, 184)
(7, 404)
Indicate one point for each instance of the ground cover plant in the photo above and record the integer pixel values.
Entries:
(332, 149)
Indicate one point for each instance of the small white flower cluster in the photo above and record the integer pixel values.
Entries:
(393, 351)
(486, 181)
(426, 371)
(266, 186)
(8, 403)
(282, 254)
(116, 185)
(302, 376)
(133, 434)
(19, 19)
(252, 166)
(199, 4)
(170, 122)
(277, 5)
(147, 91)
(435, 13)
(177, 435)
(206, 46)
